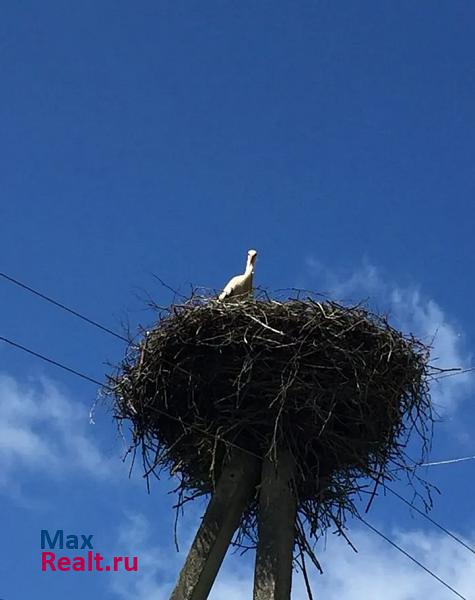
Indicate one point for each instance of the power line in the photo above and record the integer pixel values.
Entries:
(426, 516)
(49, 360)
(69, 310)
(63, 306)
(450, 461)
(426, 569)
(95, 381)
(459, 371)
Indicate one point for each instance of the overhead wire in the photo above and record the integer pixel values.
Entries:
(414, 560)
(430, 519)
(449, 461)
(459, 371)
(49, 360)
(62, 306)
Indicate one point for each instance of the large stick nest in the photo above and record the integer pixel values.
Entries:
(336, 386)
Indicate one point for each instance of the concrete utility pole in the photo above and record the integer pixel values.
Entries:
(276, 530)
(235, 488)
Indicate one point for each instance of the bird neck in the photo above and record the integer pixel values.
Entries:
(249, 267)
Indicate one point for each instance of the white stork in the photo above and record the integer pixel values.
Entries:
(241, 285)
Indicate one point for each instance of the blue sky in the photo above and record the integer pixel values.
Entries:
(168, 138)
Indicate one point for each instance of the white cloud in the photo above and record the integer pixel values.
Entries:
(376, 571)
(412, 312)
(44, 432)
(152, 581)
(379, 571)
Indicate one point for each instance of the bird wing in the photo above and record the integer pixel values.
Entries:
(234, 287)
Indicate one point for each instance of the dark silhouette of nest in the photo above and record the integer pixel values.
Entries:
(337, 386)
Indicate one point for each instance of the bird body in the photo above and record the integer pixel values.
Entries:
(241, 285)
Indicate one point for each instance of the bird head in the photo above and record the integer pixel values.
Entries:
(251, 257)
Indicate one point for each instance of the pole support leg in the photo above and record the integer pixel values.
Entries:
(234, 489)
(276, 529)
